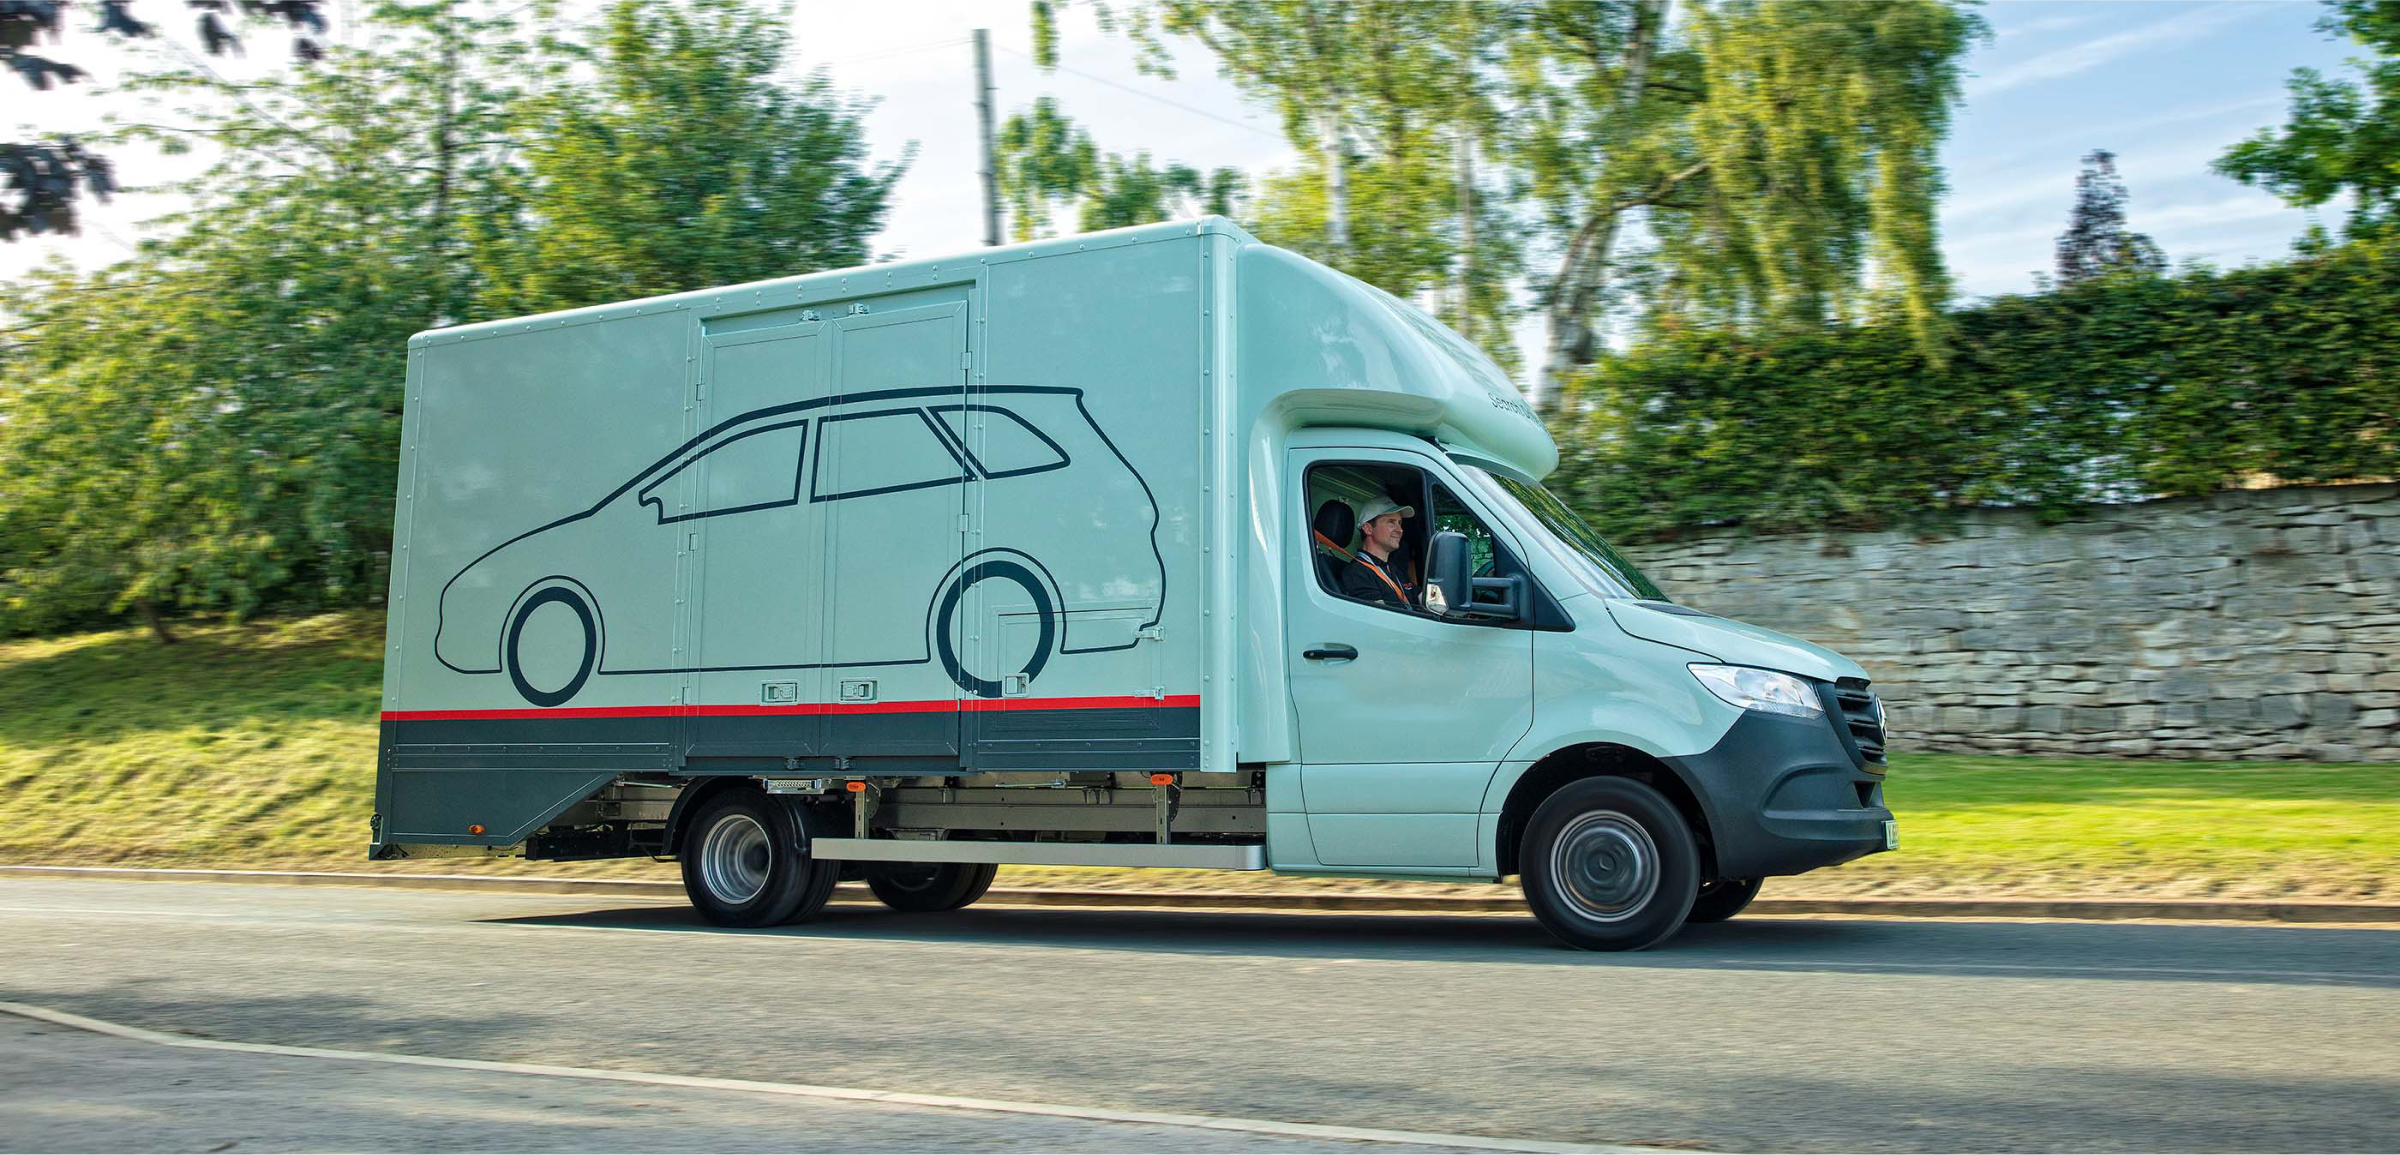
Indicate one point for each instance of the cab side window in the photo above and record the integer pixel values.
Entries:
(1345, 566)
(1487, 556)
(1450, 515)
(864, 454)
(753, 469)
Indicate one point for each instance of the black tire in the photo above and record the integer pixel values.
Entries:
(745, 862)
(1722, 899)
(927, 887)
(591, 645)
(1609, 865)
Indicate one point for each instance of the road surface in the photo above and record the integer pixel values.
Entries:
(1798, 1034)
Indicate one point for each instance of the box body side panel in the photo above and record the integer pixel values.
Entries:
(517, 521)
(1121, 534)
(578, 503)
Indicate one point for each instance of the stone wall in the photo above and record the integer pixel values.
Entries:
(2251, 624)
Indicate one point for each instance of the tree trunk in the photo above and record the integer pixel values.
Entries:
(1466, 224)
(155, 620)
(1337, 179)
(1583, 268)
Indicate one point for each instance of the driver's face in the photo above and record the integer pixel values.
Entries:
(1384, 532)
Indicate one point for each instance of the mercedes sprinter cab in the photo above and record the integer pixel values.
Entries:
(1037, 555)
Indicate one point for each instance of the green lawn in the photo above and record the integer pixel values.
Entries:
(255, 745)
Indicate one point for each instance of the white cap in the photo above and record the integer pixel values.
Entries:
(1377, 507)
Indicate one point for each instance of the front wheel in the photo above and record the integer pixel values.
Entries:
(1609, 865)
(1723, 898)
(926, 887)
(745, 863)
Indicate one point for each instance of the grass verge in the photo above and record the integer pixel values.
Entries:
(254, 746)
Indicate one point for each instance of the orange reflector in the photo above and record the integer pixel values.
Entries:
(855, 787)
(475, 829)
(1161, 779)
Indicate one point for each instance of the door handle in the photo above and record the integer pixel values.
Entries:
(1331, 652)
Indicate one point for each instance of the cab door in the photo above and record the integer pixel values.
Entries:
(1403, 716)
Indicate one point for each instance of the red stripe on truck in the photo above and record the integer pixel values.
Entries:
(947, 705)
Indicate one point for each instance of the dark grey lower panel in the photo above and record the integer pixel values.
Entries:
(437, 777)
(1138, 738)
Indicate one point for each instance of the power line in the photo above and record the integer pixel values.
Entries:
(884, 54)
(1250, 128)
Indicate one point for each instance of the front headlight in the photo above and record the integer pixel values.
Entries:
(1756, 689)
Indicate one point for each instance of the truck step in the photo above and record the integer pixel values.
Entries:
(1041, 853)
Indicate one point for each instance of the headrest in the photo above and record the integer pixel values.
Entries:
(1335, 522)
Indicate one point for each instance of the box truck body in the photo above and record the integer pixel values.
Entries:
(1037, 555)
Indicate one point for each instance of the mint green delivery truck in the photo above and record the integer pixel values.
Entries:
(1037, 555)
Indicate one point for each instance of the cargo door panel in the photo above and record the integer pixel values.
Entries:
(755, 650)
(890, 491)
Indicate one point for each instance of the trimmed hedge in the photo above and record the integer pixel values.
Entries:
(2134, 386)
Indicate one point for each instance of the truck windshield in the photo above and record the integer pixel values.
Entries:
(1599, 563)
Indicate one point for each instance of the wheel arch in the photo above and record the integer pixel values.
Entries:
(813, 821)
(1583, 760)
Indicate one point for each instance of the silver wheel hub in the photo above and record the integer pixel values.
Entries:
(734, 859)
(1605, 866)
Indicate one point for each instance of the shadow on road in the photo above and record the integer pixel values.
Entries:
(2118, 951)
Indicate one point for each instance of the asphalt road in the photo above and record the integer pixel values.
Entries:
(1754, 1035)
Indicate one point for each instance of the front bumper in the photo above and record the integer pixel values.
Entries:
(1785, 796)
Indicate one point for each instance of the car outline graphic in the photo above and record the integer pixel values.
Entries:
(483, 607)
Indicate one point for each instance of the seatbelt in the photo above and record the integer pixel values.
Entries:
(1327, 542)
(1387, 579)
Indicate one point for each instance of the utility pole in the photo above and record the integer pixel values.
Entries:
(983, 121)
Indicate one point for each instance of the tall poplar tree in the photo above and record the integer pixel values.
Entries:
(2097, 241)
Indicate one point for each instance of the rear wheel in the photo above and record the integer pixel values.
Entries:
(1609, 865)
(922, 887)
(1723, 898)
(745, 863)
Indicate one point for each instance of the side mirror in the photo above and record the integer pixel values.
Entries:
(1449, 575)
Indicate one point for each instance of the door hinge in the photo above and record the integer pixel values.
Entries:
(1148, 634)
(966, 359)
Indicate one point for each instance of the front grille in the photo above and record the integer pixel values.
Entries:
(1857, 713)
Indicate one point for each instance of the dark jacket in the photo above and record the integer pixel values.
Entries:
(1365, 579)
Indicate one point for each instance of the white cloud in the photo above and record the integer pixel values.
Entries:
(2189, 24)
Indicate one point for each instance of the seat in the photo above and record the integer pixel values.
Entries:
(1332, 528)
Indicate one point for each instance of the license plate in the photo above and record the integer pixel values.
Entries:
(1891, 836)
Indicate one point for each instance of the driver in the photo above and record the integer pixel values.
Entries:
(1371, 575)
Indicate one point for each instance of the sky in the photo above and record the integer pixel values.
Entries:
(2166, 86)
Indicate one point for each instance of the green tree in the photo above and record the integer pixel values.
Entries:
(683, 162)
(1045, 158)
(2097, 242)
(1389, 104)
(213, 423)
(2342, 137)
(1775, 155)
